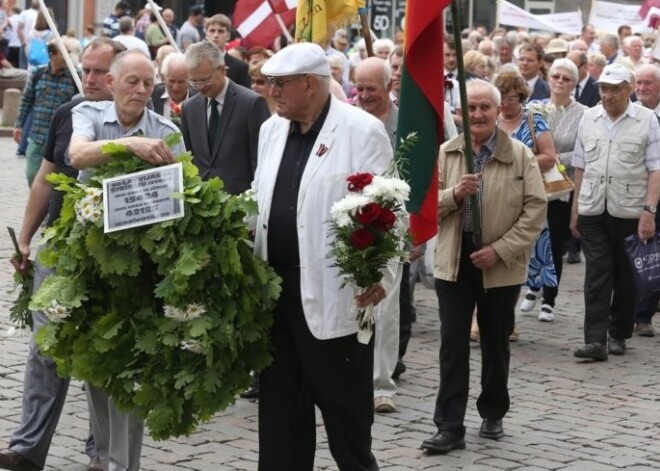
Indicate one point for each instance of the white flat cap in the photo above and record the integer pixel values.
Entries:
(614, 74)
(300, 58)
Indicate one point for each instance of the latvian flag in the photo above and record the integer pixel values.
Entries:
(257, 23)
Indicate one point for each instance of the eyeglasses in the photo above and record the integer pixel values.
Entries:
(202, 82)
(561, 78)
(511, 98)
(258, 81)
(279, 83)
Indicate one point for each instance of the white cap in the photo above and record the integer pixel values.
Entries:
(614, 74)
(300, 58)
(148, 6)
(556, 45)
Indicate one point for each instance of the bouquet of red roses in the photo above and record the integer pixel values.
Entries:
(366, 234)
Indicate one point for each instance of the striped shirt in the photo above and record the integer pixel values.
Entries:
(44, 92)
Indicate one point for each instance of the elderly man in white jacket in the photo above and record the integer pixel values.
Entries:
(305, 154)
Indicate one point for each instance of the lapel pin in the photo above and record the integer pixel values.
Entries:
(322, 150)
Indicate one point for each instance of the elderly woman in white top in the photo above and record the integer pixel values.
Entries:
(563, 115)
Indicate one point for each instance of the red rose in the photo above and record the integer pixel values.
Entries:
(176, 108)
(369, 214)
(362, 238)
(386, 220)
(358, 181)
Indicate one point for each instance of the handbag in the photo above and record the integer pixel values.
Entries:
(645, 262)
(555, 180)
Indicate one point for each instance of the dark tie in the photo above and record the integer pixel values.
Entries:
(214, 122)
(577, 92)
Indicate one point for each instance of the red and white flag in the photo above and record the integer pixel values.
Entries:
(256, 22)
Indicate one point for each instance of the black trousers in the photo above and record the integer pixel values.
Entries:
(405, 311)
(336, 375)
(610, 300)
(496, 317)
(559, 218)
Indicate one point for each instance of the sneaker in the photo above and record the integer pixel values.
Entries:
(547, 314)
(529, 301)
(645, 330)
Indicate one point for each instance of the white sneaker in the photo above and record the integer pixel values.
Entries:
(547, 314)
(529, 301)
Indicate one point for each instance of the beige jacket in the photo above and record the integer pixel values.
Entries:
(513, 213)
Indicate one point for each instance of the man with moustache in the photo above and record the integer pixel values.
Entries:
(44, 392)
(125, 121)
(220, 124)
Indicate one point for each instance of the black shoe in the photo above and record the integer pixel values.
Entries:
(442, 442)
(617, 347)
(594, 351)
(399, 369)
(573, 257)
(251, 393)
(14, 461)
(491, 428)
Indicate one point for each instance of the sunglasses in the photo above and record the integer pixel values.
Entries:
(561, 78)
(259, 82)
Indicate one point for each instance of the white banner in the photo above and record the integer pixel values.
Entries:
(608, 16)
(511, 15)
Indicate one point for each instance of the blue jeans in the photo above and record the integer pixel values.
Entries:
(646, 309)
(22, 146)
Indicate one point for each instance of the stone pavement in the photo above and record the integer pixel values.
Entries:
(565, 415)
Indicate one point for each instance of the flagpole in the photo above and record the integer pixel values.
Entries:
(61, 46)
(474, 201)
(283, 27)
(366, 29)
(163, 25)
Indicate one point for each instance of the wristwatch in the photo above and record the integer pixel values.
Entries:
(650, 209)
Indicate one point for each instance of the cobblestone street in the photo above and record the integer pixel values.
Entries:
(565, 414)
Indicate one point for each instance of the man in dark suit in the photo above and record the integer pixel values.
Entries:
(586, 90)
(174, 88)
(218, 29)
(220, 124)
(529, 64)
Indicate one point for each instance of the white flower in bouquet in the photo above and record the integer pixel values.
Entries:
(192, 311)
(88, 208)
(387, 188)
(346, 207)
(194, 346)
(56, 312)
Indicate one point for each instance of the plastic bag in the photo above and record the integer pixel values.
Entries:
(38, 53)
(645, 263)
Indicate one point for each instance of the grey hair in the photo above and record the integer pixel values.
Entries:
(204, 50)
(385, 42)
(494, 92)
(648, 68)
(118, 61)
(630, 39)
(567, 65)
(179, 57)
(612, 40)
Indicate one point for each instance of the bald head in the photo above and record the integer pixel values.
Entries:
(647, 85)
(580, 60)
(373, 80)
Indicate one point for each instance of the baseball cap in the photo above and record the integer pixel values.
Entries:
(614, 74)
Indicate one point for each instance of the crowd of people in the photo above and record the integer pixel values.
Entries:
(254, 117)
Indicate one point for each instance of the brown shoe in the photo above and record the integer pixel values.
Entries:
(95, 464)
(14, 461)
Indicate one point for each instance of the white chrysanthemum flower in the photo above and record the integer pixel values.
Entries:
(175, 313)
(249, 195)
(193, 311)
(137, 386)
(194, 346)
(388, 188)
(56, 312)
(347, 207)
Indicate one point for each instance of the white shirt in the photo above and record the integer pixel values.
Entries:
(132, 42)
(167, 104)
(11, 33)
(220, 98)
(28, 18)
(531, 83)
(582, 84)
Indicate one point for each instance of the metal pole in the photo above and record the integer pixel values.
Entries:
(61, 46)
(474, 201)
(163, 25)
